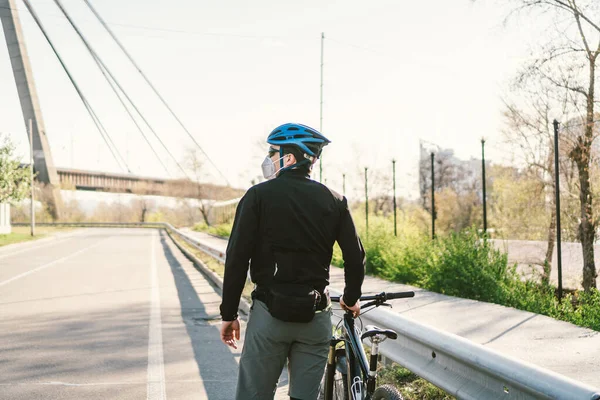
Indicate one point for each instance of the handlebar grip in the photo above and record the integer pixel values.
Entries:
(388, 296)
(400, 295)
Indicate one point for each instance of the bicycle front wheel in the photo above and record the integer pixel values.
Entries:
(387, 392)
(340, 387)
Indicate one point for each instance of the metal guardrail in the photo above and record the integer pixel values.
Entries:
(469, 370)
(157, 225)
(462, 368)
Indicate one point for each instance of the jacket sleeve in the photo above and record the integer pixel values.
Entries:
(239, 251)
(353, 254)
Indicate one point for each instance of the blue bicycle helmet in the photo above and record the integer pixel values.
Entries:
(307, 139)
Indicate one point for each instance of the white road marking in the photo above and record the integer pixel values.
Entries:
(50, 263)
(156, 369)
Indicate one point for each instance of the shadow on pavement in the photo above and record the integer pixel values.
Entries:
(216, 363)
(510, 329)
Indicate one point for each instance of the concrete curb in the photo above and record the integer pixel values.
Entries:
(210, 274)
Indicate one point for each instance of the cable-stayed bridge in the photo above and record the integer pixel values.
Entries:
(57, 178)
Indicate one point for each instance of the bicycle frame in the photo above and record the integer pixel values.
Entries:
(361, 373)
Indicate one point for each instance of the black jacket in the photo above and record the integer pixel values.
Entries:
(287, 228)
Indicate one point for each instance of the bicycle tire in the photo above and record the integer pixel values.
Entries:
(387, 392)
(340, 387)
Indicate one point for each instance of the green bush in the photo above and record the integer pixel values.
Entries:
(408, 260)
(464, 265)
(404, 258)
(588, 311)
(470, 267)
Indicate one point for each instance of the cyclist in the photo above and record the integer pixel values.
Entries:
(287, 227)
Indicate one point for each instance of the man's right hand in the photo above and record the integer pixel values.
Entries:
(230, 332)
(355, 308)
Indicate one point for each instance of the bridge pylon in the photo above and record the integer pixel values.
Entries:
(17, 51)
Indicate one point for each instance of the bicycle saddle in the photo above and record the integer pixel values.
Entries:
(373, 331)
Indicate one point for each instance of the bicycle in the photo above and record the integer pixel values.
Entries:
(349, 375)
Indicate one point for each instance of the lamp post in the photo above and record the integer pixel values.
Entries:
(484, 184)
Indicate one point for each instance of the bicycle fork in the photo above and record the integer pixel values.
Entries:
(330, 368)
(373, 365)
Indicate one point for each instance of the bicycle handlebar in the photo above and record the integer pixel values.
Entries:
(400, 295)
(381, 297)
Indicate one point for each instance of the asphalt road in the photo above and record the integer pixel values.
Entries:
(109, 314)
(529, 256)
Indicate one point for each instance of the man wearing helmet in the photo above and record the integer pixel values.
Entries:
(286, 228)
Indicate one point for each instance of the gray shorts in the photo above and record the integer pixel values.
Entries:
(267, 345)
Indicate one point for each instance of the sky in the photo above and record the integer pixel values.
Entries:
(394, 73)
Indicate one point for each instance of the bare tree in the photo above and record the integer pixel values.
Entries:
(203, 192)
(142, 205)
(530, 130)
(567, 63)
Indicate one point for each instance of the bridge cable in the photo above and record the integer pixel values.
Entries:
(104, 69)
(153, 88)
(88, 106)
(112, 86)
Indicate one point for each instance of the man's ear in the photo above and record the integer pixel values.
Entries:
(291, 160)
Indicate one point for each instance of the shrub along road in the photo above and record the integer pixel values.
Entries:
(558, 346)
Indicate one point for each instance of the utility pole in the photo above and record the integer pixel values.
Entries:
(557, 194)
(344, 184)
(31, 177)
(394, 178)
(321, 108)
(432, 198)
(366, 203)
(484, 196)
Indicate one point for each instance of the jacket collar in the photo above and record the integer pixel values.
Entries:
(294, 173)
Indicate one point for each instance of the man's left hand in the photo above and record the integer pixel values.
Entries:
(230, 332)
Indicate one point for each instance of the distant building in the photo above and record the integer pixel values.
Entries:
(450, 172)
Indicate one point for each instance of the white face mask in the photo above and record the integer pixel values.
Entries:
(268, 167)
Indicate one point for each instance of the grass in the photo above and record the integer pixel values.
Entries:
(22, 234)
(411, 386)
(214, 265)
